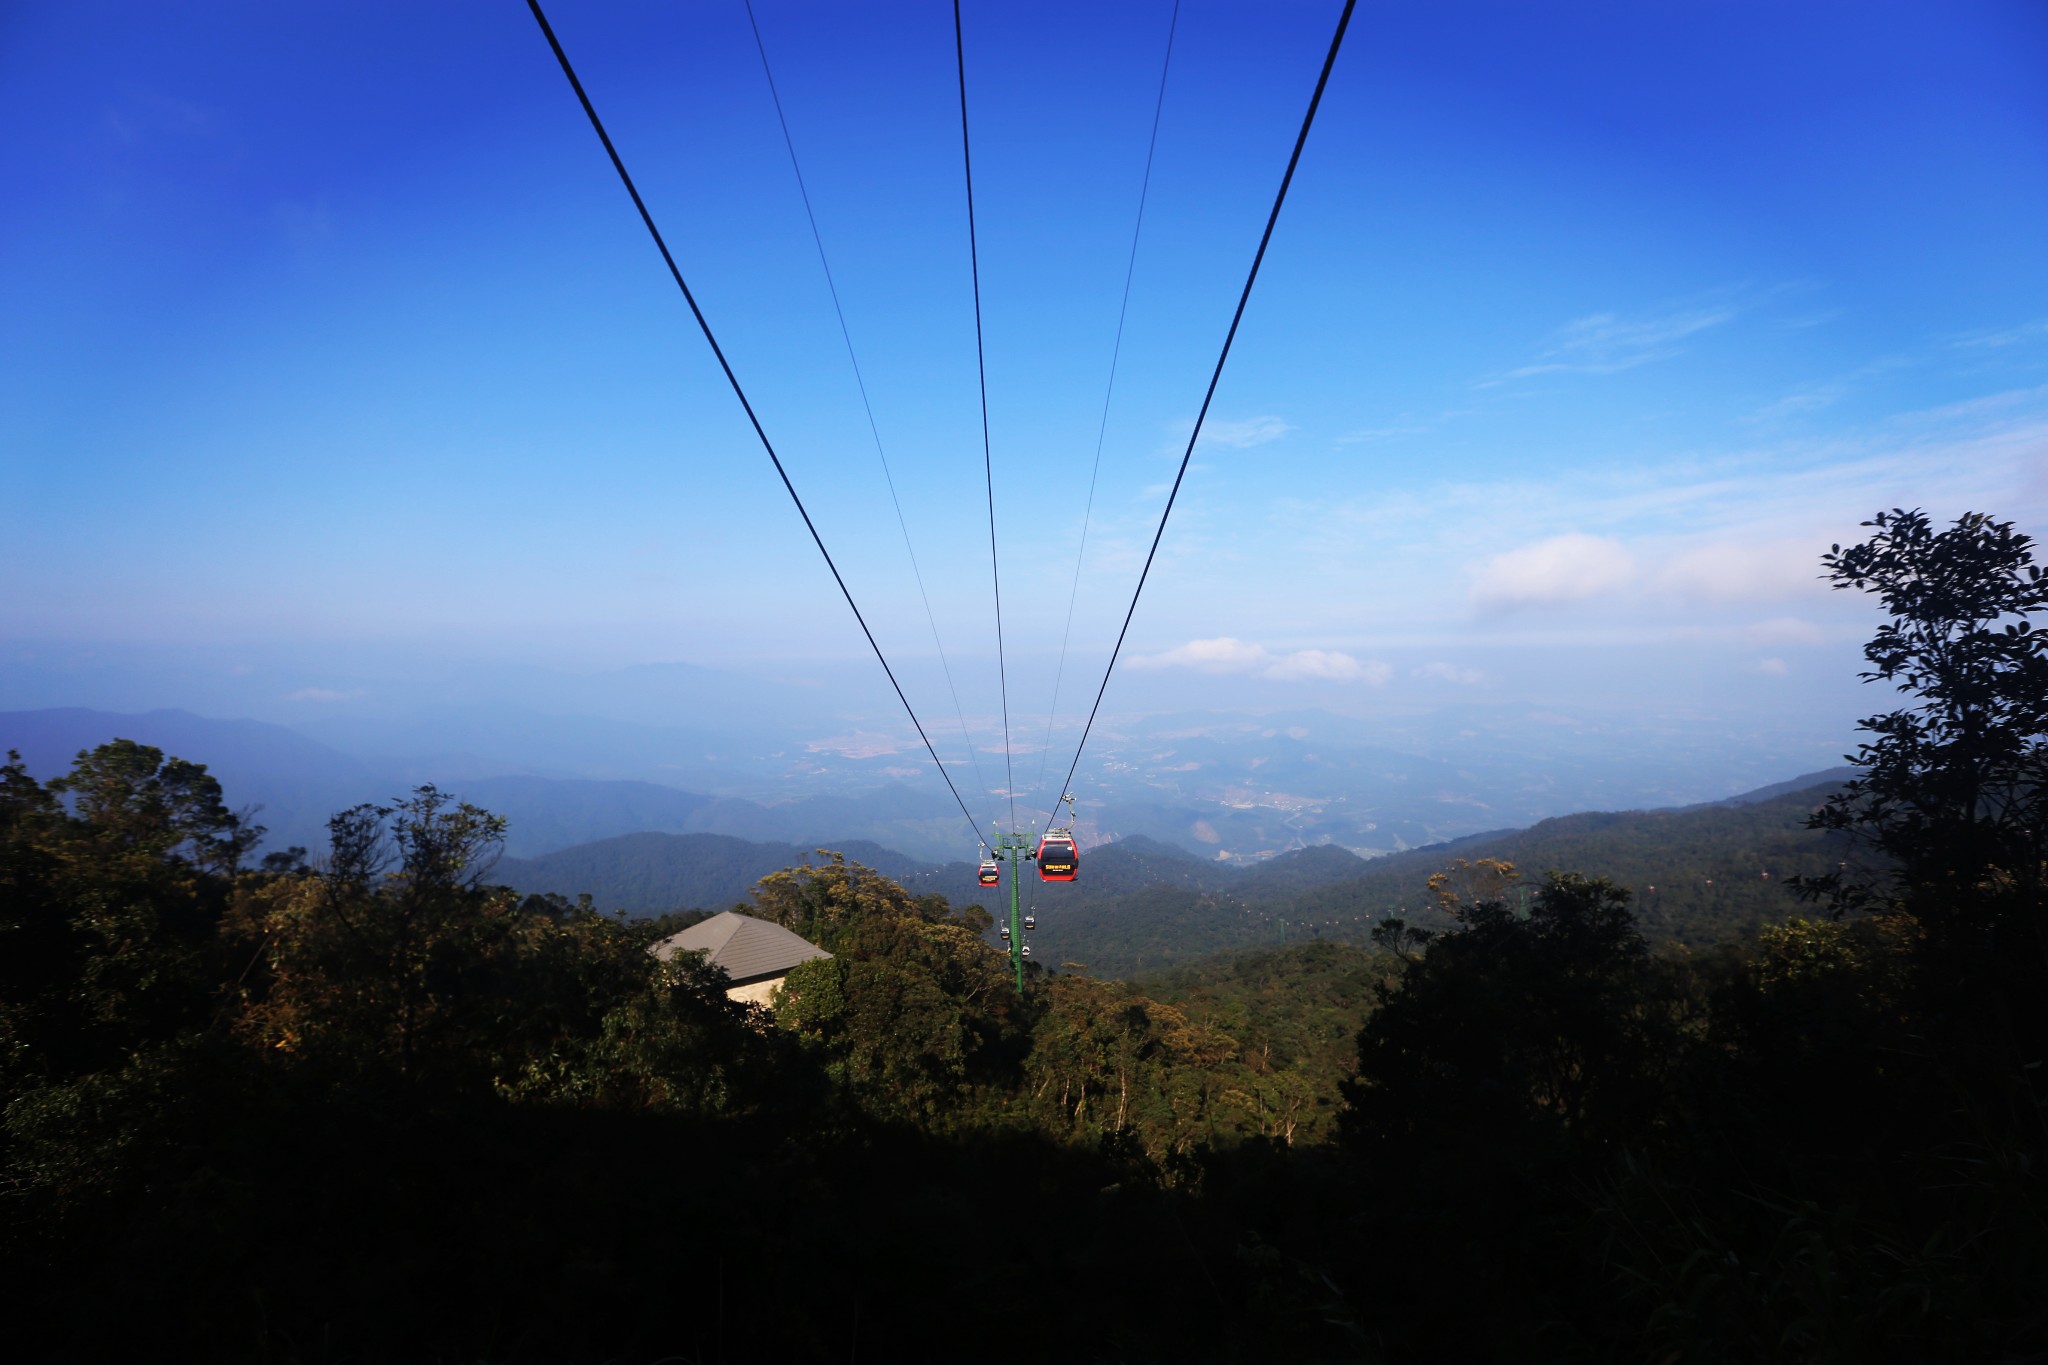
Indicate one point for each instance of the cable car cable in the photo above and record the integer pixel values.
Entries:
(1102, 428)
(981, 368)
(1244, 297)
(676, 273)
(860, 382)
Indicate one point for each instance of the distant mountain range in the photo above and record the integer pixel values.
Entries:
(1145, 899)
(296, 783)
(647, 874)
(1143, 902)
(1698, 875)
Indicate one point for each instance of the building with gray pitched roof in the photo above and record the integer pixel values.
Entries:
(753, 952)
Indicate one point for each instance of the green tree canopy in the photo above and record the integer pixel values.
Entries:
(912, 1010)
(1534, 1025)
(1954, 790)
(107, 908)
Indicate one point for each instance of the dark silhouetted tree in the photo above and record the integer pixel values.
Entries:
(1537, 1033)
(1954, 790)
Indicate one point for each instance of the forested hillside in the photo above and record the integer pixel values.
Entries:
(384, 1109)
(1295, 1009)
(1700, 875)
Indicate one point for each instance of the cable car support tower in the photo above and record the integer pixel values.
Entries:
(1015, 848)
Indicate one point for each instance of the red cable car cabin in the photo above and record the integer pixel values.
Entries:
(1059, 858)
(991, 872)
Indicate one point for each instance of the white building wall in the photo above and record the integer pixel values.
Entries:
(757, 992)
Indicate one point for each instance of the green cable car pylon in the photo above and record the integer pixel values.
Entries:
(1058, 860)
(1015, 848)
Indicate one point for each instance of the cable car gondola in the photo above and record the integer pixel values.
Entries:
(1006, 933)
(991, 872)
(1058, 856)
(1031, 921)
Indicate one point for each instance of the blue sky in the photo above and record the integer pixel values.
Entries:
(330, 338)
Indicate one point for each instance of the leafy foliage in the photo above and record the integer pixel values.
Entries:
(1293, 1013)
(106, 914)
(374, 1107)
(1558, 1036)
(1954, 788)
(913, 1008)
(1110, 1065)
(1697, 877)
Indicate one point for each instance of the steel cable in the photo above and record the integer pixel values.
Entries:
(1102, 428)
(675, 272)
(981, 369)
(1244, 297)
(860, 381)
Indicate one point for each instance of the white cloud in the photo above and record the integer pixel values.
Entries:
(1450, 673)
(1244, 434)
(1606, 334)
(1223, 655)
(1812, 399)
(1773, 667)
(1743, 570)
(1326, 665)
(1606, 343)
(1228, 655)
(1817, 397)
(326, 694)
(1719, 540)
(1988, 452)
(2009, 336)
(1553, 572)
(1784, 630)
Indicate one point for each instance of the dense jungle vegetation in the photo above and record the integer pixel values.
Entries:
(376, 1108)
(1699, 875)
(1697, 878)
